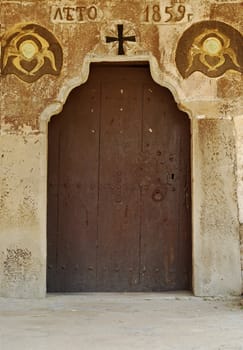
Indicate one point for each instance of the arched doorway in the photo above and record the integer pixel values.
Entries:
(119, 208)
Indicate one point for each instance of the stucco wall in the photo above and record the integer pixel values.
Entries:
(22, 219)
(239, 144)
(217, 222)
(241, 251)
(211, 98)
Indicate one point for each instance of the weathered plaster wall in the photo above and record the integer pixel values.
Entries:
(22, 219)
(216, 222)
(239, 147)
(241, 251)
(213, 103)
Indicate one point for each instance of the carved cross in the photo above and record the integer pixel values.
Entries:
(120, 39)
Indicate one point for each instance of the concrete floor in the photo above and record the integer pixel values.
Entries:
(121, 321)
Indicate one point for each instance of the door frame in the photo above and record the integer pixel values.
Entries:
(57, 107)
(146, 64)
(211, 275)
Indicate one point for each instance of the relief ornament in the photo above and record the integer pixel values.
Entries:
(29, 51)
(210, 47)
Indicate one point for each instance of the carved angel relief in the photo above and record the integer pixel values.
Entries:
(210, 47)
(30, 51)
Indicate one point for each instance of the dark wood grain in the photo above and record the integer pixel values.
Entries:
(119, 209)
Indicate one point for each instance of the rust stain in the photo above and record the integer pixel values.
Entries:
(229, 87)
(216, 143)
(18, 123)
(150, 40)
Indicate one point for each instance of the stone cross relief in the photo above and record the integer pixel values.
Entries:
(120, 39)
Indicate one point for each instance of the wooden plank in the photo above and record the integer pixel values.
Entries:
(78, 191)
(163, 216)
(52, 204)
(119, 195)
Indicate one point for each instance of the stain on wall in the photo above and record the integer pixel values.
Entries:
(218, 153)
(20, 272)
(230, 86)
(16, 264)
(227, 12)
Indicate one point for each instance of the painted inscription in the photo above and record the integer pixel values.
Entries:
(172, 12)
(176, 12)
(75, 14)
(210, 47)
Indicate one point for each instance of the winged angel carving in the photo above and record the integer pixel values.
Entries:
(30, 51)
(210, 47)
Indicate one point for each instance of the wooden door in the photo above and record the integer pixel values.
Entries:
(119, 213)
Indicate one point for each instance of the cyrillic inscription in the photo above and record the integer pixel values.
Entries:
(75, 14)
(172, 12)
